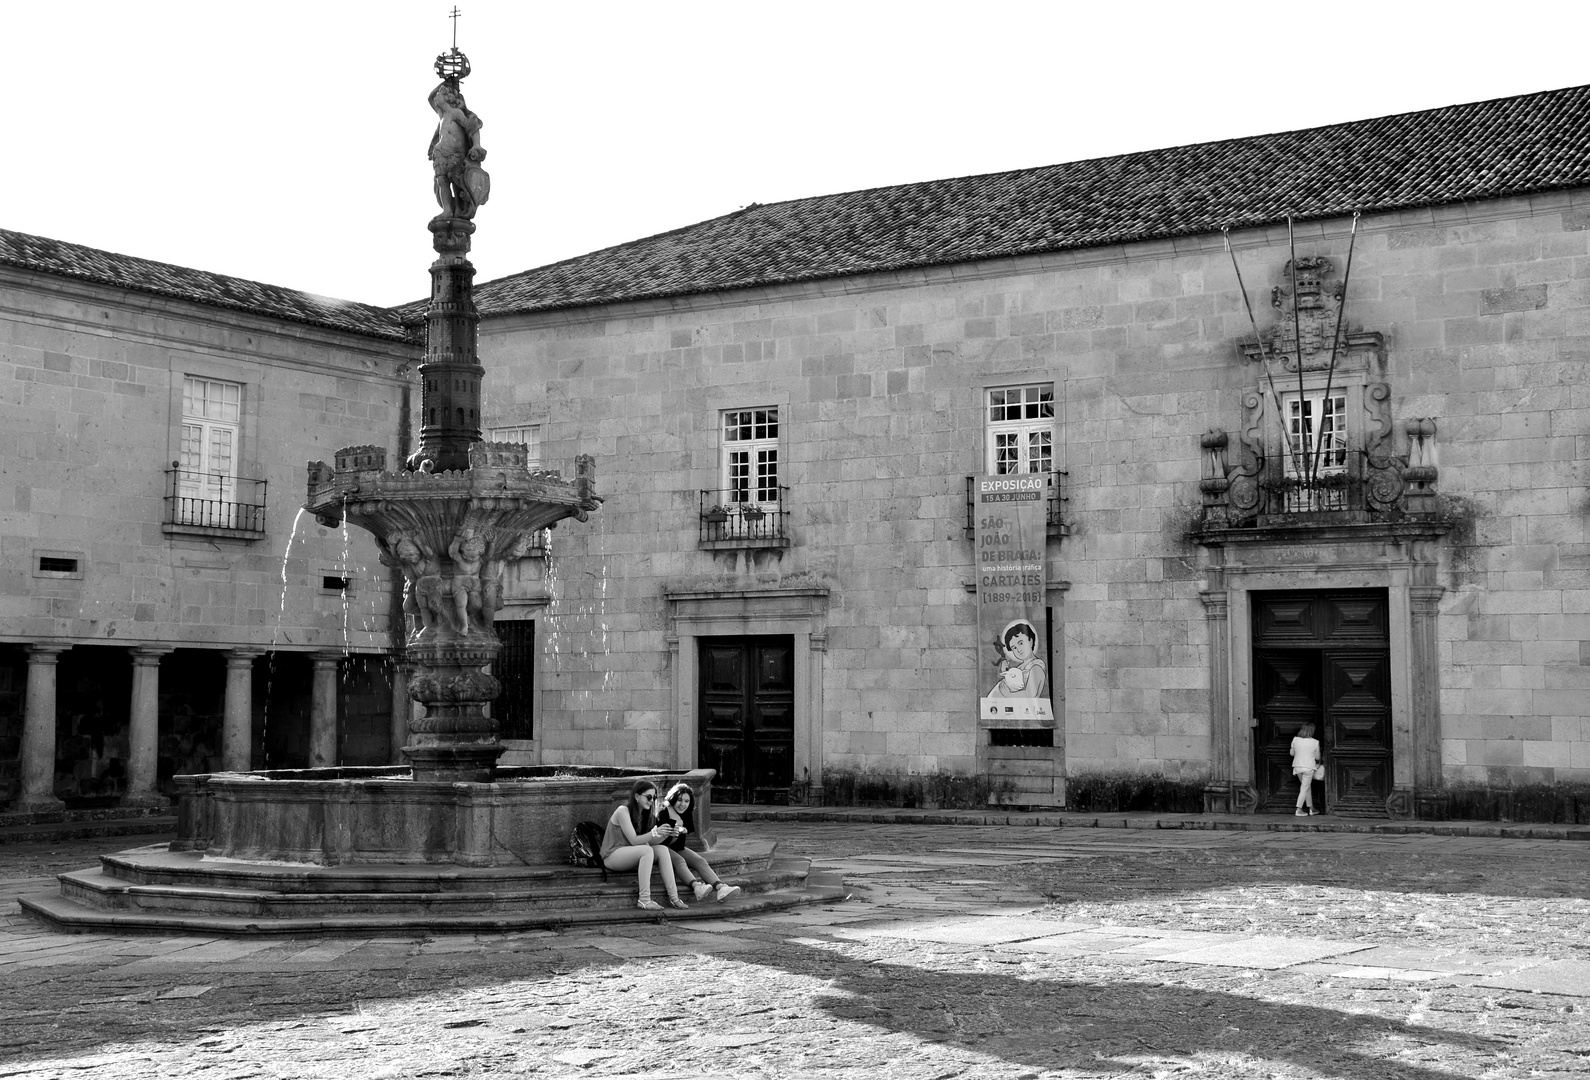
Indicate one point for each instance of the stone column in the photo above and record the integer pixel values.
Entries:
(1218, 798)
(143, 730)
(237, 725)
(38, 731)
(323, 712)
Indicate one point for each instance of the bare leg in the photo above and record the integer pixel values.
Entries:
(640, 857)
(666, 865)
(690, 865)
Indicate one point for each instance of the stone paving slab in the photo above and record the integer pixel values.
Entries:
(1368, 973)
(978, 931)
(1080, 943)
(1569, 977)
(1264, 953)
(1437, 960)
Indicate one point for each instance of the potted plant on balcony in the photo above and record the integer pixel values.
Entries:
(716, 515)
(752, 512)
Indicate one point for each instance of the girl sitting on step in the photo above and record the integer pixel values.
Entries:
(678, 814)
(633, 841)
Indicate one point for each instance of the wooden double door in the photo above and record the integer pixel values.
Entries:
(746, 717)
(1323, 658)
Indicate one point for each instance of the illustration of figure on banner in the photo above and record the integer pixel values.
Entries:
(1021, 672)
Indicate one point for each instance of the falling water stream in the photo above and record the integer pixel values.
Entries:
(277, 634)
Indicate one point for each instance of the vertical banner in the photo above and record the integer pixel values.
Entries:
(1012, 671)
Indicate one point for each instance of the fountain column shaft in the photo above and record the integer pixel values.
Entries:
(450, 375)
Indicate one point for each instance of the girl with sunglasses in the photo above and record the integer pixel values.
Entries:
(678, 815)
(633, 840)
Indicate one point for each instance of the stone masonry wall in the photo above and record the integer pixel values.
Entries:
(1486, 316)
(90, 414)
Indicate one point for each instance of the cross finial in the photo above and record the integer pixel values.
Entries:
(454, 16)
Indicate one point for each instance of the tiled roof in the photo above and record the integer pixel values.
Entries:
(1486, 150)
(216, 290)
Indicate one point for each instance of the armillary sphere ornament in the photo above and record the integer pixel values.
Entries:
(452, 65)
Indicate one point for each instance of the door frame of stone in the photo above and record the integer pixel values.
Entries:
(800, 613)
(1405, 567)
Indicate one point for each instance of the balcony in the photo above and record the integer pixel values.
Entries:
(1344, 490)
(214, 505)
(729, 520)
(1054, 516)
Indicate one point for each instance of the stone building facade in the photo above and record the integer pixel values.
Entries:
(840, 367)
(166, 609)
(1310, 410)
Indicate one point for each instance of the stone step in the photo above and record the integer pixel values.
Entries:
(574, 890)
(156, 865)
(784, 885)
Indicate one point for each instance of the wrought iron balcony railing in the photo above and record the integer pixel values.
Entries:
(731, 519)
(1054, 507)
(214, 504)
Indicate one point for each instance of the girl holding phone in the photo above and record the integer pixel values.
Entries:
(634, 840)
(678, 815)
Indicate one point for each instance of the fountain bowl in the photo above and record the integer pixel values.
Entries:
(380, 815)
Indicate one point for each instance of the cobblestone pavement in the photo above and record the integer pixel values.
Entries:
(964, 952)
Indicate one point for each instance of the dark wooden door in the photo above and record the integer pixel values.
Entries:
(515, 668)
(747, 717)
(1323, 658)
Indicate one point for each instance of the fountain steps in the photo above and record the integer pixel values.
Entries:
(449, 899)
(156, 865)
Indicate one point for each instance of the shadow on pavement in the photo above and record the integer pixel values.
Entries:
(1062, 1023)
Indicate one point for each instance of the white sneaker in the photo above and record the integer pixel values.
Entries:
(723, 891)
(701, 889)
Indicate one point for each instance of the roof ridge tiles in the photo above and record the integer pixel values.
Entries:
(66, 259)
(1496, 148)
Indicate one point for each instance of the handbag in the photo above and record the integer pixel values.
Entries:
(1319, 772)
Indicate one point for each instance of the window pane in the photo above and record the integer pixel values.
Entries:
(1040, 452)
(1007, 452)
(739, 475)
(767, 476)
(192, 447)
(220, 451)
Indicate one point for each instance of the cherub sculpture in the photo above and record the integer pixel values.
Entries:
(455, 153)
(467, 551)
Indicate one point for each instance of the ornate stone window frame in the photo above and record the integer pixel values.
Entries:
(800, 612)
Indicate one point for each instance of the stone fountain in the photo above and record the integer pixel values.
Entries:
(451, 842)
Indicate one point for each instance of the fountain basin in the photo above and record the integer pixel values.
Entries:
(379, 816)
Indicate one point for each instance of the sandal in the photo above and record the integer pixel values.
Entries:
(674, 901)
(646, 903)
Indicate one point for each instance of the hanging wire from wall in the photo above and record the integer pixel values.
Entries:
(1264, 356)
(1341, 320)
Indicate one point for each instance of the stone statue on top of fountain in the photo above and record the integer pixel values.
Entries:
(455, 152)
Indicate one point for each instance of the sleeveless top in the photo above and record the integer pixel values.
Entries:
(614, 837)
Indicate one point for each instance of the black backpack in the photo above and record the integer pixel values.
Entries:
(585, 846)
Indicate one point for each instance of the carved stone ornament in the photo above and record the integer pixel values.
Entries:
(1305, 326)
(1245, 484)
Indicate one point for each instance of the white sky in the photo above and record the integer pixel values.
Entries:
(285, 141)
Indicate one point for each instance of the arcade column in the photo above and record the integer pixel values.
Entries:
(38, 731)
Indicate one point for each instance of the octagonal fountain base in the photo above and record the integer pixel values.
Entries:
(368, 850)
